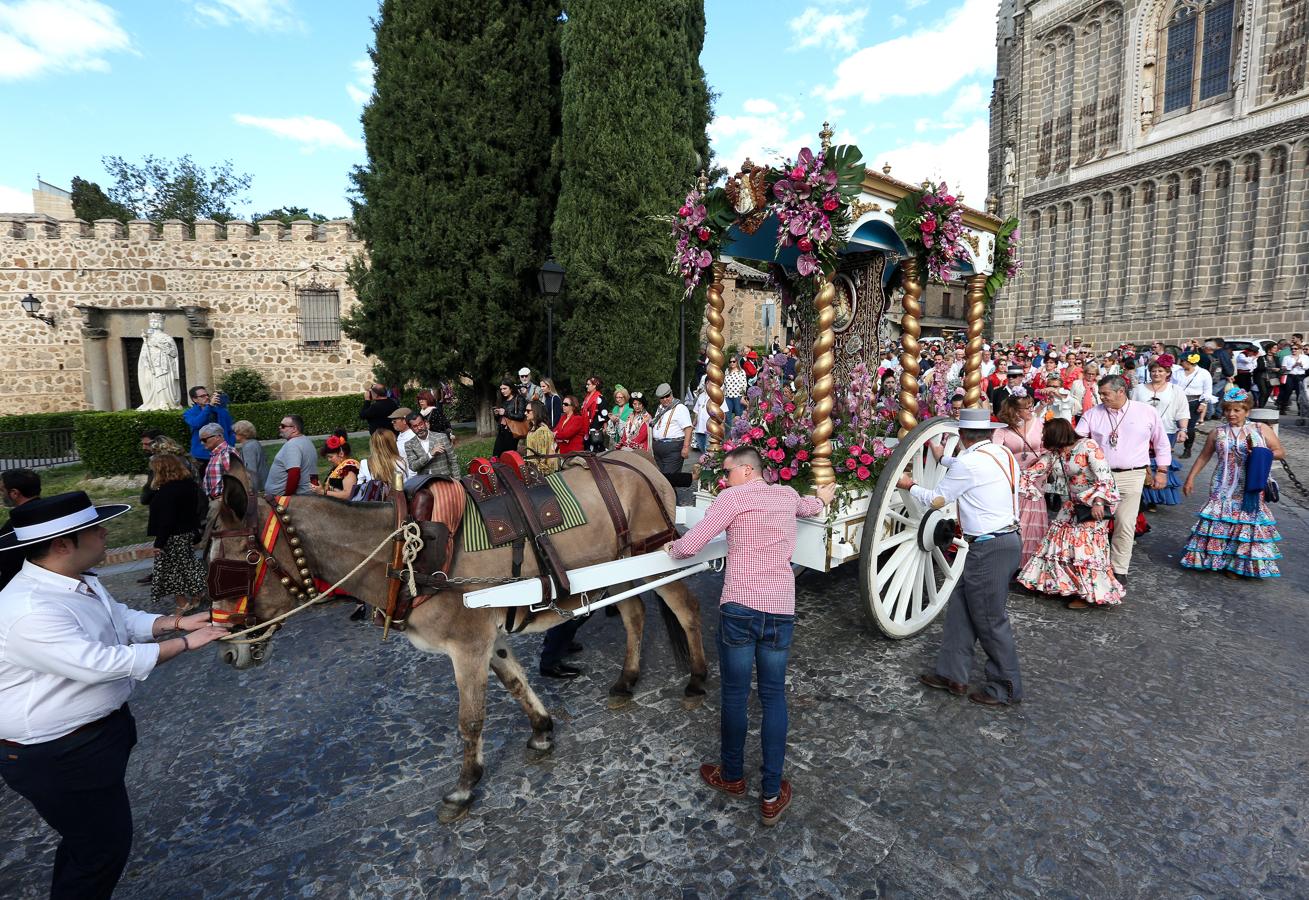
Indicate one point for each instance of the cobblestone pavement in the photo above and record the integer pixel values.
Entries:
(1161, 752)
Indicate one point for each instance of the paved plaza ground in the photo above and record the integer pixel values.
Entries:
(1162, 751)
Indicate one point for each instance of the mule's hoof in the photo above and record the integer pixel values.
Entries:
(539, 748)
(693, 701)
(452, 812)
(620, 701)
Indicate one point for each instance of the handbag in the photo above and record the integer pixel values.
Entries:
(1272, 492)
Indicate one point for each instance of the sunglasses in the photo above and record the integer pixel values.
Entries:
(566, 403)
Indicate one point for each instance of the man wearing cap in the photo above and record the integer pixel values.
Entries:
(983, 480)
(1127, 430)
(403, 434)
(70, 656)
(526, 389)
(295, 467)
(670, 432)
(1197, 386)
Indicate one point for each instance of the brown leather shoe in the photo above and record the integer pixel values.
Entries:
(1078, 604)
(932, 680)
(983, 699)
(771, 812)
(712, 775)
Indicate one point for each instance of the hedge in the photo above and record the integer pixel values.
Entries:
(110, 442)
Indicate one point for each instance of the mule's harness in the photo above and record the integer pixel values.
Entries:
(300, 584)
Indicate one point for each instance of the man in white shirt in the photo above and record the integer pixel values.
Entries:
(983, 480)
(1198, 387)
(403, 435)
(1295, 366)
(69, 658)
(671, 435)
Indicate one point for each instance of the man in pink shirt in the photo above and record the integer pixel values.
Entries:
(756, 616)
(1127, 430)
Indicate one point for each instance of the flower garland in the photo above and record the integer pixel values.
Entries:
(812, 199)
(931, 222)
(698, 229)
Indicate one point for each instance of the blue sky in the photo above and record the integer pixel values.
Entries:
(277, 86)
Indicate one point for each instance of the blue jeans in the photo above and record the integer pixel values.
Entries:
(734, 409)
(752, 640)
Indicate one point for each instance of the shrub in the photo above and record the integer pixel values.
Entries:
(245, 385)
(110, 442)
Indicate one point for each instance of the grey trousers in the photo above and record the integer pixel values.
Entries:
(976, 612)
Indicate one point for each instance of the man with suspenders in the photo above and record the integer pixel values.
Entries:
(983, 479)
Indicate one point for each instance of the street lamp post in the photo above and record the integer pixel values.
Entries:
(32, 306)
(550, 279)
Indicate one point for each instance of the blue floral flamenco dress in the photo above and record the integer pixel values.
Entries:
(1225, 537)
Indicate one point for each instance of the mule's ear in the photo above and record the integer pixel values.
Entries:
(235, 497)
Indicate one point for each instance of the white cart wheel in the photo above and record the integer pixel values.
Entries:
(909, 561)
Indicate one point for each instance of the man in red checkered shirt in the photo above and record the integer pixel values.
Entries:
(220, 458)
(756, 616)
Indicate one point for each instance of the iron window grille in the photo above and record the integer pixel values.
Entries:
(320, 317)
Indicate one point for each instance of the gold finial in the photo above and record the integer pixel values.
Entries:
(702, 182)
(886, 168)
(926, 185)
(825, 136)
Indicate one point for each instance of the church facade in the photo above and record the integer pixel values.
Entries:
(1156, 153)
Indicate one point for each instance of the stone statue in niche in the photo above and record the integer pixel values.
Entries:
(1009, 165)
(156, 370)
(1147, 83)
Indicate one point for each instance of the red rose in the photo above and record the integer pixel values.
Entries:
(805, 245)
(863, 473)
(851, 463)
(802, 455)
(866, 459)
(704, 234)
(830, 203)
(928, 226)
(786, 474)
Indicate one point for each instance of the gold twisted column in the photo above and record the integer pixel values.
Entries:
(715, 362)
(820, 394)
(911, 280)
(973, 361)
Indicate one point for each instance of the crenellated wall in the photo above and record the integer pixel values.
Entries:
(231, 295)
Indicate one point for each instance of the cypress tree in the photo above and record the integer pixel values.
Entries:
(635, 108)
(456, 198)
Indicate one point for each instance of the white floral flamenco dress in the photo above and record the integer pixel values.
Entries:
(1226, 537)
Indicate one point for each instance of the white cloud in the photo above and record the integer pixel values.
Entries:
(914, 4)
(362, 87)
(927, 62)
(260, 15)
(960, 159)
(760, 107)
(39, 36)
(312, 133)
(816, 28)
(15, 200)
(898, 21)
(763, 139)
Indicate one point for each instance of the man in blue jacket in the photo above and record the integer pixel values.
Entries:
(205, 409)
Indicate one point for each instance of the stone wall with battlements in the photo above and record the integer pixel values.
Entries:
(231, 296)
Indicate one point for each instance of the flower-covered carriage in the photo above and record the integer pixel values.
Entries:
(842, 239)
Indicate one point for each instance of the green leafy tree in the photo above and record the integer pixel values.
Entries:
(159, 189)
(455, 201)
(635, 109)
(91, 203)
(288, 214)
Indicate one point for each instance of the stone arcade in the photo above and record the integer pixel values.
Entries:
(229, 296)
(1156, 153)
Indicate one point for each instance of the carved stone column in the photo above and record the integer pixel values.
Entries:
(973, 359)
(95, 346)
(714, 354)
(202, 353)
(911, 281)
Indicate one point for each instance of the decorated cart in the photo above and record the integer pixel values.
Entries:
(844, 242)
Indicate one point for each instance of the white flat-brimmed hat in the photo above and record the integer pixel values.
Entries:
(52, 517)
(977, 420)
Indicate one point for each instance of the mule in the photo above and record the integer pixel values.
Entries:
(336, 536)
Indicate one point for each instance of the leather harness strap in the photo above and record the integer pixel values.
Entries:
(605, 485)
(654, 541)
(550, 566)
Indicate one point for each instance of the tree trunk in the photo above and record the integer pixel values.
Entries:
(485, 421)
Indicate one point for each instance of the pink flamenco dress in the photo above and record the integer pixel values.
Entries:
(1225, 537)
(1073, 560)
(1024, 443)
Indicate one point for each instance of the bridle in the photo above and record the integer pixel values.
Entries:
(241, 579)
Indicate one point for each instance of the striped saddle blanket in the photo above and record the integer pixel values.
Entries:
(475, 536)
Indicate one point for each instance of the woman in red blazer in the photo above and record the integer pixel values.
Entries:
(571, 428)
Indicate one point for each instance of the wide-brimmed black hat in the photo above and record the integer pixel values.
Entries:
(52, 517)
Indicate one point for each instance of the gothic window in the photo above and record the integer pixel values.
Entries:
(1197, 40)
